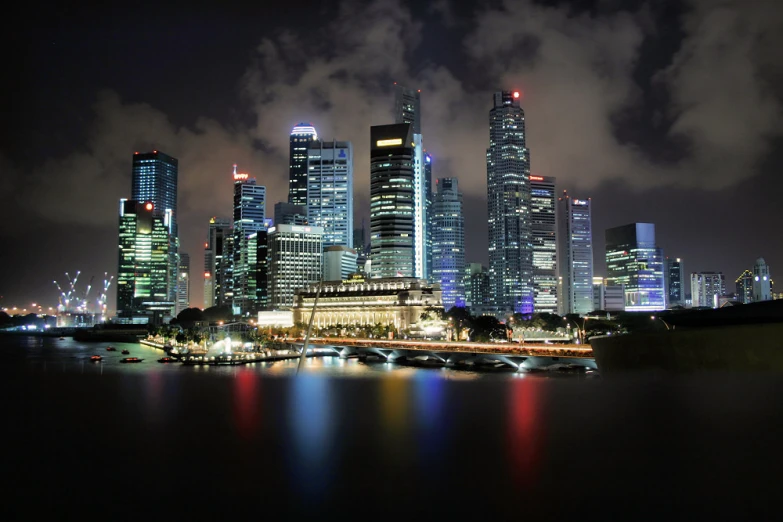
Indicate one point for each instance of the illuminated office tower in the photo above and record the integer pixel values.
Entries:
(448, 242)
(762, 282)
(674, 278)
(744, 287)
(217, 262)
(295, 261)
(330, 190)
(707, 288)
(544, 234)
(575, 255)
(634, 261)
(301, 137)
(430, 201)
(476, 284)
(391, 200)
(508, 202)
(183, 283)
(339, 262)
(288, 214)
(142, 272)
(407, 108)
(249, 209)
(154, 179)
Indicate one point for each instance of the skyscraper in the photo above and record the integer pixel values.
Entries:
(249, 209)
(674, 280)
(183, 283)
(217, 261)
(575, 255)
(407, 107)
(706, 288)
(634, 260)
(142, 272)
(154, 179)
(330, 190)
(448, 242)
(391, 200)
(301, 137)
(476, 283)
(508, 201)
(289, 214)
(295, 261)
(745, 287)
(762, 282)
(429, 201)
(544, 233)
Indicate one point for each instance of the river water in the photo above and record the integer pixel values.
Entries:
(152, 441)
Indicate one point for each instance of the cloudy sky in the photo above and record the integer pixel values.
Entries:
(662, 111)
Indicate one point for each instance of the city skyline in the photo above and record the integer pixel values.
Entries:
(634, 171)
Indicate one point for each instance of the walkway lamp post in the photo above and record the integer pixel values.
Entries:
(661, 320)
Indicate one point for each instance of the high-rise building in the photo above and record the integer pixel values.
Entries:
(249, 211)
(217, 262)
(429, 200)
(290, 214)
(575, 255)
(154, 179)
(258, 256)
(762, 282)
(330, 190)
(448, 242)
(295, 261)
(339, 262)
(745, 287)
(508, 202)
(476, 284)
(302, 135)
(142, 273)
(674, 277)
(634, 260)
(407, 108)
(707, 288)
(183, 283)
(609, 298)
(544, 233)
(391, 200)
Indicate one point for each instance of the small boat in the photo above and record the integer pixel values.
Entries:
(131, 360)
(111, 349)
(125, 352)
(62, 338)
(96, 358)
(167, 360)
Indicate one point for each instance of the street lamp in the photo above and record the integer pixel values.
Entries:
(661, 320)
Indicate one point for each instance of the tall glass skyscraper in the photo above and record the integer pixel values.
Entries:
(448, 242)
(302, 136)
(633, 260)
(407, 108)
(218, 259)
(183, 283)
(674, 279)
(544, 232)
(430, 200)
(392, 200)
(575, 255)
(295, 261)
(249, 210)
(745, 287)
(508, 201)
(142, 272)
(330, 190)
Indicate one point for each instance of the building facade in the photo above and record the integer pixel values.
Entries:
(508, 202)
(762, 281)
(476, 284)
(674, 279)
(339, 262)
(395, 301)
(330, 190)
(634, 261)
(543, 211)
(143, 266)
(609, 298)
(217, 263)
(249, 212)
(289, 214)
(707, 288)
(295, 261)
(744, 287)
(183, 283)
(448, 242)
(575, 255)
(391, 201)
(302, 135)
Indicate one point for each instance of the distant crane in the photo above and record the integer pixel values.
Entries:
(74, 301)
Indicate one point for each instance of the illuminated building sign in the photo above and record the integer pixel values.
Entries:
(536, 178)
(580, 202)
(389, 143)
(239, 176)
(297, 228)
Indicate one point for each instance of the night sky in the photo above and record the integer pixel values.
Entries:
(666, 112)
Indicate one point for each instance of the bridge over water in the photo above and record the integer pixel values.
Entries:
(520, 356)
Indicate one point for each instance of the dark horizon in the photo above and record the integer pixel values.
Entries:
(666, 113)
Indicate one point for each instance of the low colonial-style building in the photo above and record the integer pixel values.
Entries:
(398, 301)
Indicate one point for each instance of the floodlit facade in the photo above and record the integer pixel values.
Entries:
(575, 255)
(448, 242)
(762, 282)
(543, 213)
(634, 261)
(302, 135)
(392, 200)
(508, 201)
(330, 190)
(295, 261)
(249, 212)
(707, 288)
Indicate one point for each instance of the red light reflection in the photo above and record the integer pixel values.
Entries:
(525, 436)
(247, 409)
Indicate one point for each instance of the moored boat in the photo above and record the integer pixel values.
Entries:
(167, 360)
(111, 349)
(131, 360)
(96, 358)
(125, 352)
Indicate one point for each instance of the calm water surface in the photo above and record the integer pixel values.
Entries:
(163, 442)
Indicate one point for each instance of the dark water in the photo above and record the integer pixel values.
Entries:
(249, 444)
